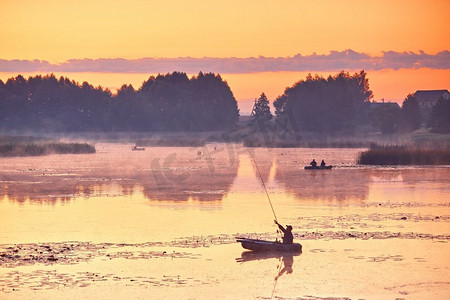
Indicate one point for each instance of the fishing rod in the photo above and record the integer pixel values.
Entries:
(264, 185)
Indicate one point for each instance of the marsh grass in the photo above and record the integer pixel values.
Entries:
(5, 139)
(36, 149)
(403, 155)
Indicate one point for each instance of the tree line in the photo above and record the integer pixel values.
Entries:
(335, 104)
(409, 117)
(204, 102)
(169, 102)
(342, 104)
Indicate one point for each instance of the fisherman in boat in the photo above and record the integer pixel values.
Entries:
(313, 163)
(322, 164)
(288, 238)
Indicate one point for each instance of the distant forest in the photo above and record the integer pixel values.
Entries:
(174, 102)
(334, 104)
(170, 102)
(342, 104)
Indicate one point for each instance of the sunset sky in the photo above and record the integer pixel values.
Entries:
(257, 46)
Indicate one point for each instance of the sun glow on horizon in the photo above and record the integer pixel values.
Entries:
(390, 85)
(59, 31)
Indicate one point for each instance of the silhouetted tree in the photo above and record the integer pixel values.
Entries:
(126, 92)
(261, 110)
(214, 103)
(204, 102)
(439, 121)
(338, 103)
(410, 115)
(385, 118)
(164, 103)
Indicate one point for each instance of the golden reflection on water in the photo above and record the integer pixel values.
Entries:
(367, 232)
(182, 174)
(104, 195)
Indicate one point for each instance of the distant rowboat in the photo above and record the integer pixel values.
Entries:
(135, 148)
(318, 168)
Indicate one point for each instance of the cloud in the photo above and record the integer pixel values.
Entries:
(335, 60)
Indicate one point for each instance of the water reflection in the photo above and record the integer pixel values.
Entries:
(288, 261)
(180, 174)
(285, 260)
(199, 184)
(339, 185)
(262, 166)
(42, 189)
(159, 174)
(355, 183)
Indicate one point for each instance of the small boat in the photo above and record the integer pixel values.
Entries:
(136, 148)
(268, 246)
(318, 168)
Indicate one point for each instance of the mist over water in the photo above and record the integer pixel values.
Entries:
(145, 218)
(221, 177)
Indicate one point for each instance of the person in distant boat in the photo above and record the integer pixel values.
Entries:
(322, 164)
(288, 238)
(313, 163)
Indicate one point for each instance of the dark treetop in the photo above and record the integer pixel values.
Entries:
(170, 102)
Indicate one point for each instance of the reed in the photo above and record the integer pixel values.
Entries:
(37, 149)
(402, 155)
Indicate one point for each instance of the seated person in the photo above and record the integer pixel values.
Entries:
(288, 238)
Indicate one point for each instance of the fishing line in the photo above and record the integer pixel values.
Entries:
(276, 278)
(264, 185)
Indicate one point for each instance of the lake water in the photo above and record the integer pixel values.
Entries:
(162, 223)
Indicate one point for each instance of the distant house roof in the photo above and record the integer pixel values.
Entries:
(430, 94)
(427, 98)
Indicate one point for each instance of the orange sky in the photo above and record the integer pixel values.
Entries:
(57, 31)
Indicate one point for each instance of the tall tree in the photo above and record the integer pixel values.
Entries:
(385, 118)
(410, 115)
(165, 103)
(439, 121)
(261, 110)
(337, 103)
